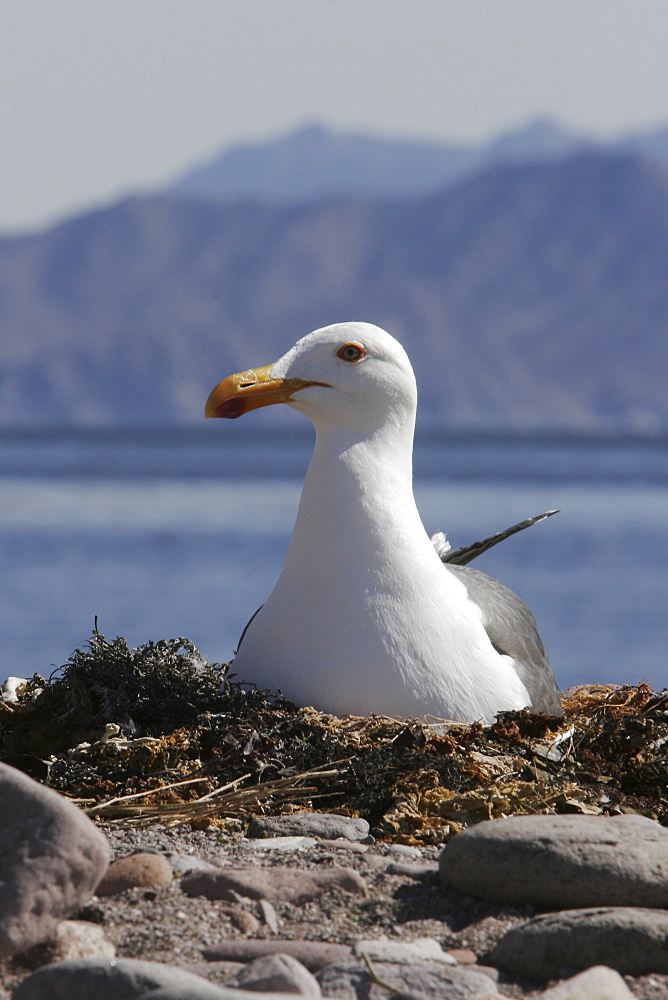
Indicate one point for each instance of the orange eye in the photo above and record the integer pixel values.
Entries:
(351, 352)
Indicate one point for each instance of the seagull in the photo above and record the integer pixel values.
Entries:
(366, 617)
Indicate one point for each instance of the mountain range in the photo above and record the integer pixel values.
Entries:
(531, 293)
(314, 162)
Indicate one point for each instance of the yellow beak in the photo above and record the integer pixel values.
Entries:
(237, 394)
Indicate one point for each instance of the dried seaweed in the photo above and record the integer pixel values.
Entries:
(158, 734)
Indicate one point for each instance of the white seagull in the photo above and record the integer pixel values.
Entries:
(365, 617)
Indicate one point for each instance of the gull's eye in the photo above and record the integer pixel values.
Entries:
(351, 352)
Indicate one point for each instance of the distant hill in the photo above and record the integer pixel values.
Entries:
(315, 162)
(528, 297)
(652, 145)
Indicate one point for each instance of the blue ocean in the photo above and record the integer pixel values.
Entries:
(173, 532)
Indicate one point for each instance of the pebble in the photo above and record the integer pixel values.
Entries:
(326, 826)
(463, 956)
(354, 846)
(277, 974)
(405, 850)
(281, 844)
(51, 859)
(376, 861)
(77, 939)
(268, 914)
(145, 869)
(71, 939)
(290, 885)
(407, 870)
(240, 918)
(597, 983)
(561, 861)
(183, 863)
(383, 950)
(430, 979)
(312, 954)
(632, 940)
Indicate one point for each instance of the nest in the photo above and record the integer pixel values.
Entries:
(158, 734)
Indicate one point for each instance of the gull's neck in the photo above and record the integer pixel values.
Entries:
(356, 488)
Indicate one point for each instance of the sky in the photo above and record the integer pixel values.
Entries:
(99, 99)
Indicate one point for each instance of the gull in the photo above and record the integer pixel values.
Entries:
(366, 617)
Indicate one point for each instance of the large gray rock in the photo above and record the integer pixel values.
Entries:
(632, 940)
(118, 979)
(312, 954)
(276, 974)
(429, 979)
(207, 991)
(290, 885)
(561, 861)
(125, 979)
(51, 859)
(327, 826)
(597, 983)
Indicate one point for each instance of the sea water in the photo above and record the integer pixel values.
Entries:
(164, 533)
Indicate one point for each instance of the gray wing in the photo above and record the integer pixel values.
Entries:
(512, 630)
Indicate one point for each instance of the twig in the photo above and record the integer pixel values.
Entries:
(375, 977)
(138, 795)
(228, 799)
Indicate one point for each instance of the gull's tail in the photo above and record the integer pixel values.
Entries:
(464, 555)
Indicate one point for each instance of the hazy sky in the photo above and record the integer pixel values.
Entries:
(100, 98)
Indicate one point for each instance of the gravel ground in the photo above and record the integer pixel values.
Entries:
(165, 925)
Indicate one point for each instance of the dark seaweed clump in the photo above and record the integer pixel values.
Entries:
(161, 722)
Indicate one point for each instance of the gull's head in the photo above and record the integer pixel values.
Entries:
(352, 375)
